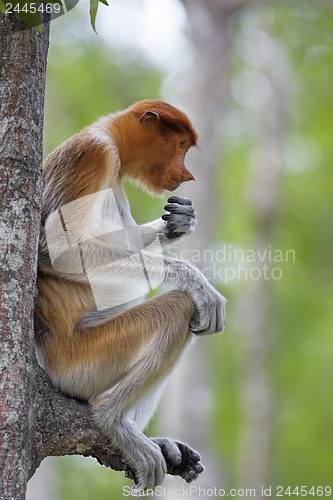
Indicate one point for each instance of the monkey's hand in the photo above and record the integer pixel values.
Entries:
(209, 316)
(181, 219)
(181, 459)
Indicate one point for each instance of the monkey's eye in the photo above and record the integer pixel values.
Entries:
(182, 144)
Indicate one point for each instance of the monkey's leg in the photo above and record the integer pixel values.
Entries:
(164, 321)
(116, 364)
(181, 459)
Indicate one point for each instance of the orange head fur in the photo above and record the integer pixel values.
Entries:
(153, 138)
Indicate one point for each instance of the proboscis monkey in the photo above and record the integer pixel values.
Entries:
(101, 341)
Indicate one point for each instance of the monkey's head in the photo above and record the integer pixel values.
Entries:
(159, 136)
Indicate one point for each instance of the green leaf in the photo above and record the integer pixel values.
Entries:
(51, 1)
(93, 13)
(2, 7)
(26, 11)
(29, 11)
(31, 19)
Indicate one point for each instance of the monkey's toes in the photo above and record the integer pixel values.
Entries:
(170, 451)
(190, 466)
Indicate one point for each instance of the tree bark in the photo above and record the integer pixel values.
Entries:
(22, 63)
(35, 419)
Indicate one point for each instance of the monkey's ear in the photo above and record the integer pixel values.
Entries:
(149, 116)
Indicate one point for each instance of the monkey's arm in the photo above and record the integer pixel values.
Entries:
(117, 266)
(179, 275)
(179, 222)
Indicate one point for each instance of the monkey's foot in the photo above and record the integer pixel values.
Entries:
(146, 466)
(181, 459)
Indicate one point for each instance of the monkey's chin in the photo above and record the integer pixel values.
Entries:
(172, 185)
(160, 192)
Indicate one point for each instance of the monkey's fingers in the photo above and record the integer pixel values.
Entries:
(218, 318)
(210, 313)
(179, 200)
(178, 225)
(171, 235)
(129, 474)
(182, 221)
(175, 208)
(192, 470)
(221, 316)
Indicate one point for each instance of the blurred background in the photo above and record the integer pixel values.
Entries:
(257, 81)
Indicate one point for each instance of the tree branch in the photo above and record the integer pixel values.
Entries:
(64, 426)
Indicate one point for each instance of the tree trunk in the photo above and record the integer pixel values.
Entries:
(22, 64)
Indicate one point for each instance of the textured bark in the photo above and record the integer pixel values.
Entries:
(63, 426)
(22, 64)
(35, 419)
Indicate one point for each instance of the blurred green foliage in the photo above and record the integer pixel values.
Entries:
(301, 324)
(86, 82)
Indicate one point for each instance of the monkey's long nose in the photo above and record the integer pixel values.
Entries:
(187, 175)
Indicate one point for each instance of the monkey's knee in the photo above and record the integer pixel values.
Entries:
(179, 303)
(183, 311)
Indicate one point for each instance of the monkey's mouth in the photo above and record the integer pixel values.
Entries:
(176, 185)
